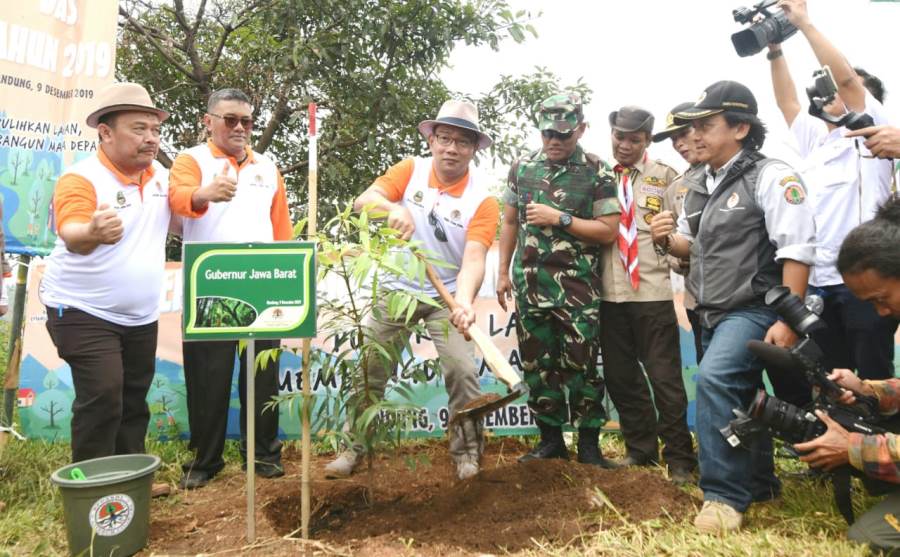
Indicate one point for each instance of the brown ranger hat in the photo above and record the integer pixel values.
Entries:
(631, 119)
(671, 126)
(721, 96)
(119, 97)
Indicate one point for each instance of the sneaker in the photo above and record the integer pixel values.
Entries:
(718, 518)
(194, 479)
(343, 465)
(466, 467)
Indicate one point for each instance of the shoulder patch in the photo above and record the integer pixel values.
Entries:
(789, 180)
(794, 194)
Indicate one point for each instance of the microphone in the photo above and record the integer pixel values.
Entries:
(777, 359)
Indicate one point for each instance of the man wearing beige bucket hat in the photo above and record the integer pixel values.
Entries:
(443, 203)
(104, 277)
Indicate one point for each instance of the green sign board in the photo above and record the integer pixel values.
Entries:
(241, 291)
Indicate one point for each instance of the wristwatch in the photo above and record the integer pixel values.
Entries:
(565, 220)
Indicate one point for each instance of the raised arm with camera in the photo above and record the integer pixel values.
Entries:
(850, 88)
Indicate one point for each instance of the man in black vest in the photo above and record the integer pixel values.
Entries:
(747, 227)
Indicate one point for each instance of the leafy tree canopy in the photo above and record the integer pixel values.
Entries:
(371, 65)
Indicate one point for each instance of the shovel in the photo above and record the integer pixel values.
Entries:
(484, 404)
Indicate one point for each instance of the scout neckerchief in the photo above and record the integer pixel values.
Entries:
(627, 237)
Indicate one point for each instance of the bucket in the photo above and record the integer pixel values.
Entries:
(108, 510)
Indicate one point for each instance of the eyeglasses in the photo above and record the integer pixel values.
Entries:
(553, 134)
(435, 222)
(462, 143)
(232, 121)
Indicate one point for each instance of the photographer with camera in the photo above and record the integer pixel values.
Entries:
(869, 262)
(846, 186)
(746, 228)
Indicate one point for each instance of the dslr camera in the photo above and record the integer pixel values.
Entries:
(784, 420)
(821, 93)
(774, 27)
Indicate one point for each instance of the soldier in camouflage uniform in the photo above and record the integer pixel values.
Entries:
(560, 206)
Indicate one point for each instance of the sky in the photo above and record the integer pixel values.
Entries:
(658, 53)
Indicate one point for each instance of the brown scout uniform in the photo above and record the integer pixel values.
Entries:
(639, 327)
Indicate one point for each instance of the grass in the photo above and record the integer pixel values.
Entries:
(803, 522)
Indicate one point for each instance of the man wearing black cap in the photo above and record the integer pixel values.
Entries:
(747, 227)
(637, 318)
(682, 136)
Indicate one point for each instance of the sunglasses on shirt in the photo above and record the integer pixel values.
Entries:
(435, 222)
(232, 121)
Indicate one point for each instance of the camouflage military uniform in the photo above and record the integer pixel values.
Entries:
(557, 286)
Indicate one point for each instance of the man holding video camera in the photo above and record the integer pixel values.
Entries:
(846, 186)
(869, 262)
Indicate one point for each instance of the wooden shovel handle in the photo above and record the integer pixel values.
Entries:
(492, 355)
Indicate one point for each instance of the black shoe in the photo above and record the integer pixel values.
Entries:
(681, 476)
(589, 449)
(194, 479)
(552, 444)
(266, 469)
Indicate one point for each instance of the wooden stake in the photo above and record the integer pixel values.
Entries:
(306, 411)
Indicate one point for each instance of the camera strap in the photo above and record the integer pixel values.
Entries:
(843, 490)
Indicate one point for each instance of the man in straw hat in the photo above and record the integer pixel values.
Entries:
(104, 276)
(443, 203)
(638, 327)
(747, 228)
(560, 207)
(249, 205)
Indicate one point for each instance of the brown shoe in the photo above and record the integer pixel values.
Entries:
(160, 490)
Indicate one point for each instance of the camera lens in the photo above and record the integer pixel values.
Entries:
(788, 422)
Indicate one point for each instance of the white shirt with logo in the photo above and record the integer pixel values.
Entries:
(122, 282)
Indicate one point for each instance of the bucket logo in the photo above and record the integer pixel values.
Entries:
(110, 515)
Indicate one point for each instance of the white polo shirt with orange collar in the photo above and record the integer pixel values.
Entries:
(122, 282)
(257, 213)
(446, 216)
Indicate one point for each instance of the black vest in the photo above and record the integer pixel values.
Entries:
(732, 259)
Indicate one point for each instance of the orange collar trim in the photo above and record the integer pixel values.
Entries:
(146, 174)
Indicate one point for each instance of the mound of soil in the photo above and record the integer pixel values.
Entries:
(415, 495)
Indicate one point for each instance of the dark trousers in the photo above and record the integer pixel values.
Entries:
(856, 337)
(208, 374)
(635, 333)
(112, 368)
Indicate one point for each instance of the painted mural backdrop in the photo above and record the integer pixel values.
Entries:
(54, 56)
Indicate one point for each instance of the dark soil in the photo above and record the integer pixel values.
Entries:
(413, 499)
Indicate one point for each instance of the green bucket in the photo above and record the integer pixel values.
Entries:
(108, 511)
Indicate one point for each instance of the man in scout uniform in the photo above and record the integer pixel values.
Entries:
(249, 205)
(560, 207)
(443, 203)
(681, 135)
(638, 326)
(104, 276)
(746, 230)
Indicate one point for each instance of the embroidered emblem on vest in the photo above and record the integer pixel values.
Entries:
(733, 200)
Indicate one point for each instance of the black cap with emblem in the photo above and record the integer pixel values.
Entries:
(721, 96)
(671, 126)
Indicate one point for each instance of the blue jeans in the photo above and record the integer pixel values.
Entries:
(729, 377)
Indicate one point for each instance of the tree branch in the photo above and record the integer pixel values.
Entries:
(154, 43)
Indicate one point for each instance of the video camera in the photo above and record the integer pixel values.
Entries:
(786, 421)
(822, 92)
(774, 27)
